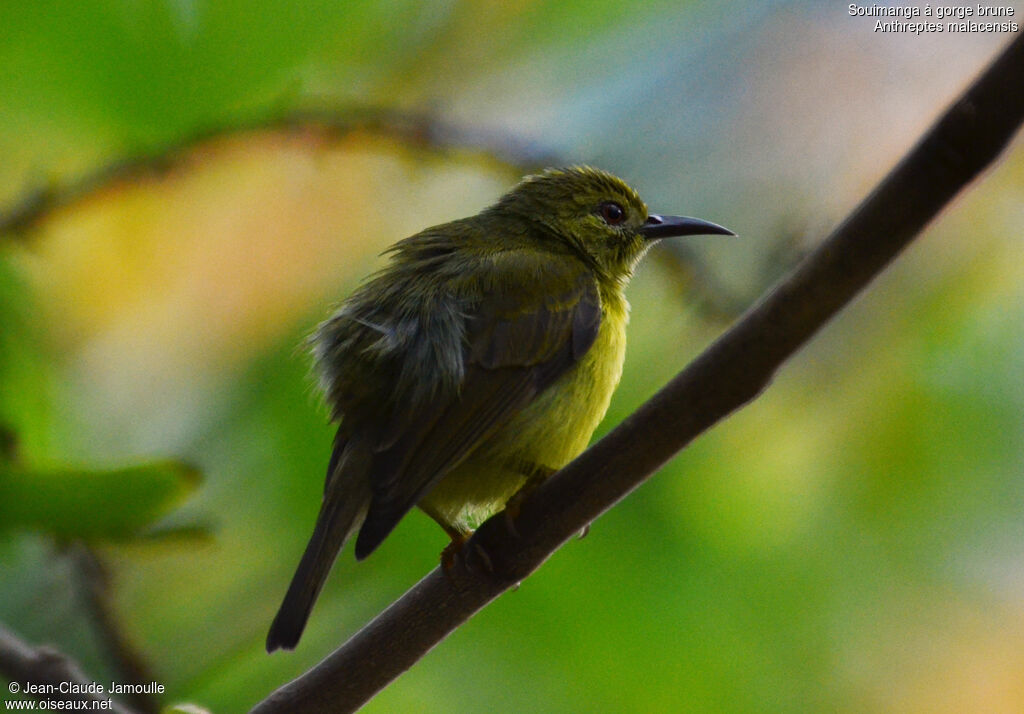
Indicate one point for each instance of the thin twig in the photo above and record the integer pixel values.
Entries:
(730, 373)
(413, 128)
(696, 284)
(45, 668)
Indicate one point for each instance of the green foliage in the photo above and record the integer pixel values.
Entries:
(92, 505)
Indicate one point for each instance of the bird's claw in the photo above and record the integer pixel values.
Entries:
(479, 554)
(515, 504)
(474, 558)
(451, 552)
(511, 513)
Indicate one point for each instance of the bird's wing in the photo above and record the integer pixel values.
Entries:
(529, 324)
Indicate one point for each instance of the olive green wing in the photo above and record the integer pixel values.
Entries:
(525, 329)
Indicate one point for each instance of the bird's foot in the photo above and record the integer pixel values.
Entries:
(515, 504)
(512, 512)
(452, 550)
(477, 559)
(472, 556)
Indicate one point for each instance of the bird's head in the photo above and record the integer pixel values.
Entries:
(598, 215)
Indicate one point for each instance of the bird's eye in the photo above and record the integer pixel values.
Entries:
(612, 213)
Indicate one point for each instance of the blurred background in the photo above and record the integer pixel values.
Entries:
(188, 186)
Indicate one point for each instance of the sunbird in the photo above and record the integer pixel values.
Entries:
(476, 364)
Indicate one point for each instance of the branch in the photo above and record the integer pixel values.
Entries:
(23, 664)
(730, 373)
(418, 129)
(130, 664)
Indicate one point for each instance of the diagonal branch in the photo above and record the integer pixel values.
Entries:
(730, 373)
(93, 581)
(23, 664)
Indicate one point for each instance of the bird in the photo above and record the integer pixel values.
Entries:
(475, 364)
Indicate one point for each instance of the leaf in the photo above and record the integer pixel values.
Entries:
(92, 505)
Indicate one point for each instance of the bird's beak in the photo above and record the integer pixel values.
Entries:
(667, 226)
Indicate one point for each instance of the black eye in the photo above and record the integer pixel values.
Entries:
(612, 213)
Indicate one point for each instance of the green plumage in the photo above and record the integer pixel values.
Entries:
(484, 355)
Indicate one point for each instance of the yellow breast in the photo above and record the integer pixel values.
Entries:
(549, 433)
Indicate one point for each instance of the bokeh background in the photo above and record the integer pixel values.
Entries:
(187, 186)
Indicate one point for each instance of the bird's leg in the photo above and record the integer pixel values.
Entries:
(457, 550)
(452, 550)
(458, 535)
(536, 475)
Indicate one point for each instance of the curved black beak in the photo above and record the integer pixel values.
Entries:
(667, 226)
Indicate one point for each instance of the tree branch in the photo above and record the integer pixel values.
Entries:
(730, 373)
(23, 664)
(418, 129)
(130, 664)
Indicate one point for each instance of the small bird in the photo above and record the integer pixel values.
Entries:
(476, 364)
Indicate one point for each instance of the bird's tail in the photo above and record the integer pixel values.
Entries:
(346, 499)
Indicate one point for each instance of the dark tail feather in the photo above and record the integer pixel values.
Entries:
(346, 499)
